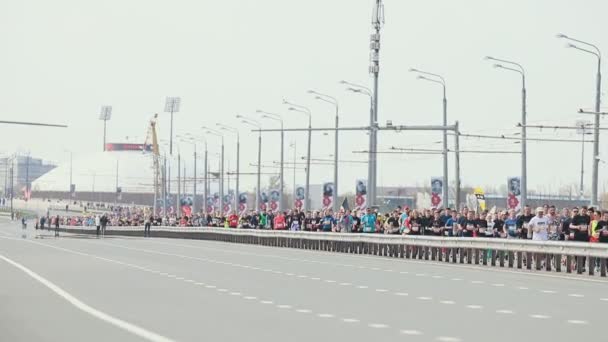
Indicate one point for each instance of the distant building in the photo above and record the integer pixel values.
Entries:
(26, 169)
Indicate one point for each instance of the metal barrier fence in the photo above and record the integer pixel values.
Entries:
(547, 256)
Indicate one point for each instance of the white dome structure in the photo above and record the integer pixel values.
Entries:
(131, 171)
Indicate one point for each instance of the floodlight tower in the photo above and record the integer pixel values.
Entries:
(172, 106)
(105, 115)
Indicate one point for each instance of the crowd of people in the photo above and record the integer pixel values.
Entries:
(544, 223)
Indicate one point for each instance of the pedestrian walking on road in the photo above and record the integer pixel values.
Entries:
(57, 225)
(147, 226)
(98, 224)
(104, 222)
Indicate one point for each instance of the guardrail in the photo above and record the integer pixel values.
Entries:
(550, 256)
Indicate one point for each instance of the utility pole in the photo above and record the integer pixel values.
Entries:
(457, 166)
(374, 69)
(177, 201)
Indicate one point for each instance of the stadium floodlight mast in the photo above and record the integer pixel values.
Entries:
(583, 129)
(256, 124)
(105, 115)
(238, 160)
(219, 134)
(301, 109)
(593, 50)
(279, 118)
(516, 67)
(333, 101)
(172, 105)
(435, 78)
(371, 167)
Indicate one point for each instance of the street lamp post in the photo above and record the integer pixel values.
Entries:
(333, 101)
(279, 118)
(297, 108)
(435, 78)
(238, 161)
(256, 124)
(221, 180)
(371, 165)
(598, 91)
(520, 70)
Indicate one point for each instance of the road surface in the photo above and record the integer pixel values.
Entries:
(80, 288)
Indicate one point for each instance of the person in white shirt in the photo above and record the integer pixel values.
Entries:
(539, 226)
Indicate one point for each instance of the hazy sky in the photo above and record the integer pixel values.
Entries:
(61, 60)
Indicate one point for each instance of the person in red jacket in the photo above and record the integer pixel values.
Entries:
(233, 220)
(279, 221)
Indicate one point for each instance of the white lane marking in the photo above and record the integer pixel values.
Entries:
(277, 272)
(456, 279)
(202, 284)
(345, 284)
(538, 316)
(424, 298)
(604, 299)
(522, 288)
(448, 302)
(284, 306)
(403, 294)
(250, 297)
(576, 321)
(350, 320)
(325, 315)
(303, 311)
(289, 274)
(576, 295)
(302, 276)
(420, 274)
(222, 290)
(179, 278)
(329, 281)
(381, 290)
(498, 285)
(375, 269)
(475, 307)
(477, 282)
(404, 272)
(437, 277)
(548, 291)
(362, 287)
(129, 327)
(235, 293)
(377, 325)
(210, 286)
(171, 276)
(411, 332)
(506, 312)
(448, 339)
(266, 302)
(315, 278)
(164, 274)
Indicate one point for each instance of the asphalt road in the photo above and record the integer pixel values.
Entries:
(79, 288)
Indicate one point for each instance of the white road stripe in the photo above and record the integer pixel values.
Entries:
(350, 320)
(576, 321)
(235, 293)
(129, 327)
(325, 315)
(362, 287)
(266, 302)
(576, 295)
(498, 285)
(548, 291)
(250, 297)
(456, 279)
(475, 307)
(284, 306)
(345, 284)
(522, 288)
(424, 298)
(448, 302)
(377, 325)
(403, 294)
(477, 282)
(506, 312)
(448, 339)
(381, 290)
(411, 332)
(538, 316)
(303, 311)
